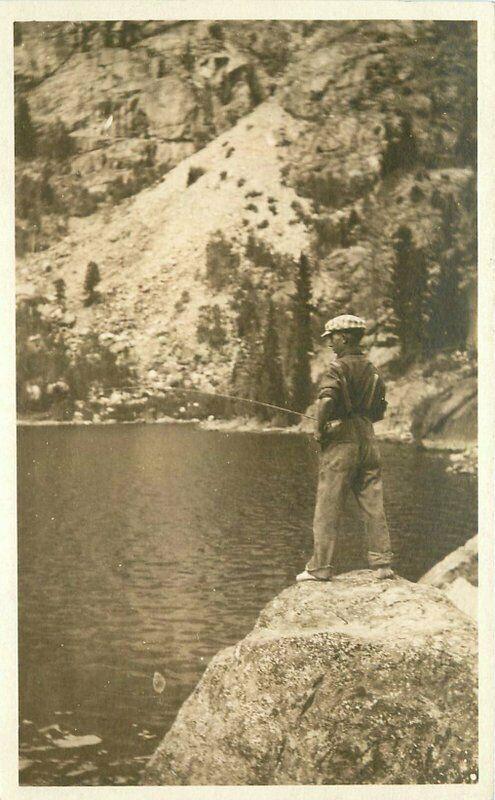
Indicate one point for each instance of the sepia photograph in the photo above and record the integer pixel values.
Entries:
(246, 388)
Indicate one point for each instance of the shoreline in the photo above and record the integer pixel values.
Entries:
(462, 454)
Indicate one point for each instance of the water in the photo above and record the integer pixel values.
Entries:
(146, 549)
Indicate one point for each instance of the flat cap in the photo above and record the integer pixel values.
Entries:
(345, 322)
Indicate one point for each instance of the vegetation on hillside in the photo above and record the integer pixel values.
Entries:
(376, 154)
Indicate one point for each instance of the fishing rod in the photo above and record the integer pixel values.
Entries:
(226, 397)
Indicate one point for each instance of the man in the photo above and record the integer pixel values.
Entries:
(351, 398)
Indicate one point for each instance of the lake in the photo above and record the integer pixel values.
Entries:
(145, 549)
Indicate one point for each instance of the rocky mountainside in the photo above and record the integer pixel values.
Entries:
(194, 162)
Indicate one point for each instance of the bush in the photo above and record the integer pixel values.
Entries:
(245, 304)
(25, 131)
(222, 262)
(194, 174)
(216, 31)
(262, 255)
(56, 142)
(182, 302)
(325, 189)
(327, 236)
(210, 328)
(54, 369)
(401, 150)
(91, 280)
(59, 285)
(187, 58)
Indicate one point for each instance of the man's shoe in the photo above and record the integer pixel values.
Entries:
(307, 576)
(382, 573)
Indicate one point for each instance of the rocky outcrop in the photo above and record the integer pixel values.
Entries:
(457, 576)
(462, 563)
(357, 681)
(450, 415)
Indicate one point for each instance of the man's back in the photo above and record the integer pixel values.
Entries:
(354, 386)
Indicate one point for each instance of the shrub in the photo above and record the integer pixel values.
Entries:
(59, 285)
(216, 31)
(401, 151)
(187, 58)
(245, 303)
(326, 189)
(63, 369)
(194, 174)
(262, 255)
(91, 280)
(210, 328)
(182, 302)
(222, 262)
(56, 142)
(326, 236)
(25, 131)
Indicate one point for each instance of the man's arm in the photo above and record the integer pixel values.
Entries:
(326, 409)
(323, 415)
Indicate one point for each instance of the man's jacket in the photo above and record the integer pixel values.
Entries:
(354, 388)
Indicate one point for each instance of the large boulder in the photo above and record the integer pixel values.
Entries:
(356, 681)
(457, 576)
(461, 563)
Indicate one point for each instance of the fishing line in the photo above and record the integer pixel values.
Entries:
(218, 394)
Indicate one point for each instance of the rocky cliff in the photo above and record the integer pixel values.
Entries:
(195, 161)
(357, 681)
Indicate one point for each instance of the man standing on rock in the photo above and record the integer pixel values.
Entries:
(351, 398)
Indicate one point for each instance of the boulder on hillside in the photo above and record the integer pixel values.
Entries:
(356, 681)
(462, 563)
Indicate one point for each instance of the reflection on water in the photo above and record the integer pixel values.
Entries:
(148, 548)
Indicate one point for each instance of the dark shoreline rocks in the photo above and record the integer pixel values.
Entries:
(356, 681)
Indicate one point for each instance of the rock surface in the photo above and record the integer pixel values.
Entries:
(352, 682)
(464, 596)
(462, 563)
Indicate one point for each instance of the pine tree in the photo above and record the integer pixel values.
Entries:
(301, 365)
(59, 285)
(91, 280)
(25, 131)
(448, 317)
(408, 293)
(271, 387)
(187, 58)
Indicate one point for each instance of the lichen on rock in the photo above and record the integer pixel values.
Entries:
(356, 681)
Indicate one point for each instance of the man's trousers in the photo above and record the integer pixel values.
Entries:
(349, 462)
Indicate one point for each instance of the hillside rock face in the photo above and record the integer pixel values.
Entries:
(352, 682)
(196, 161)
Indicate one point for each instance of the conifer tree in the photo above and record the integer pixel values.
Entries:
(271, 387)
(91, 280)
(25, 132)
(448, 305)
(301, 364)
(408, 292)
